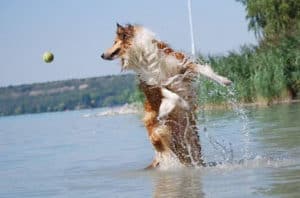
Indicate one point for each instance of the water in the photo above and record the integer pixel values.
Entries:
(72, 155)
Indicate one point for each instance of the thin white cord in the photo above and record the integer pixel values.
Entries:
(191, 28)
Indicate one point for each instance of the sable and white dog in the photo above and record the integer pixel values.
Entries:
(166, 78)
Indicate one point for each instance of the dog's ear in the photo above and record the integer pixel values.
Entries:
(130, 26)
(120, 28)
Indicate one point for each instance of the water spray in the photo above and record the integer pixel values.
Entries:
(239, 111)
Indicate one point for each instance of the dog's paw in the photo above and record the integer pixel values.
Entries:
(226, 81)
(161, 120)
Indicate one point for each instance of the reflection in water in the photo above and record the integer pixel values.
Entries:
(182, 183)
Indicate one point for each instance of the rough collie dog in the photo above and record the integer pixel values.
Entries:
(166, 77)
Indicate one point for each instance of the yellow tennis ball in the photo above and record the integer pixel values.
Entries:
(48, 57)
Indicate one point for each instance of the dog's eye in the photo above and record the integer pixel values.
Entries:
(124, 36)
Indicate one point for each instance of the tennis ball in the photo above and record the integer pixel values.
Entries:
(48, 57)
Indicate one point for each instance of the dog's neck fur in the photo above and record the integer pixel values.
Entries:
(151, 64)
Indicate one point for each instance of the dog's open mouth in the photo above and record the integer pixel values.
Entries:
(111, 56)
(115, 53)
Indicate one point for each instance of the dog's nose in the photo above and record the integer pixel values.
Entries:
(102, 55)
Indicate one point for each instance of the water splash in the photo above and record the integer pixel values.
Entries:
(133, 108)
(168, 161)
(242, 115)
(224, 148)
(256, 161)
(226, 151)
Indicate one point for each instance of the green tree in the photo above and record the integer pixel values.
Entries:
(272, 19)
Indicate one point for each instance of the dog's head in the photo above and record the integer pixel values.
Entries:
(121, 44)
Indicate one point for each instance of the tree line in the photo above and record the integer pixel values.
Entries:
(67, 95)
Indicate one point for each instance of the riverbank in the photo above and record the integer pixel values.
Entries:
(137, 108)
(253, 104)
(65, 95)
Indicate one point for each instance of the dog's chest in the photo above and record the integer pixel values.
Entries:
(153, 95)
(151, 64)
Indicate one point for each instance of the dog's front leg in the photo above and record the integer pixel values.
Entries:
(207, 71)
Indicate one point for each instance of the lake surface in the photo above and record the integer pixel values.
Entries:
(76, 154)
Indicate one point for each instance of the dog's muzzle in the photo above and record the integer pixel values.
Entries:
(105, 57)
(111, 56)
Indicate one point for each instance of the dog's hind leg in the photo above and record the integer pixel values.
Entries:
(154, 164)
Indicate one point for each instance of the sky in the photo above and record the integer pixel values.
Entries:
(78, 31)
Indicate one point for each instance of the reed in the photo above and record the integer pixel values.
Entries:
(264, 74)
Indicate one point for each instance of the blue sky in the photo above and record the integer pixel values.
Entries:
(78, 31)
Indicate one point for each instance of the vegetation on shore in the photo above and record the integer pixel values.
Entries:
(266, 73)
(67, 95)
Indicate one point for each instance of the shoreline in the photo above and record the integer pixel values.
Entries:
(254, 104)
(134, 108)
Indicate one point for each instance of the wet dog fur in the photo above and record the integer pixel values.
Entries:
(166, 78)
